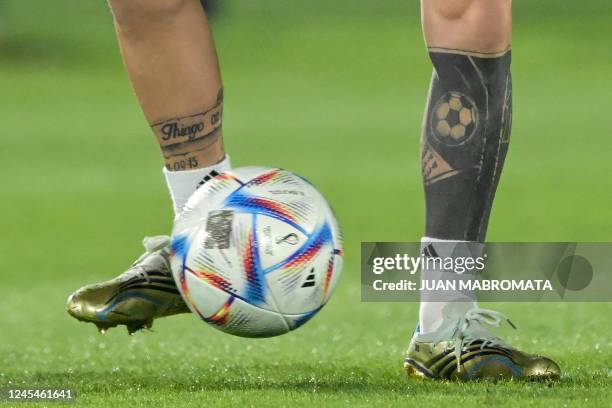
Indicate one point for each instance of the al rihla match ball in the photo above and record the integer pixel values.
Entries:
(256, 252)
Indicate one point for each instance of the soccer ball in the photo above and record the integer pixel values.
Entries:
(454, 118)
(256, 252)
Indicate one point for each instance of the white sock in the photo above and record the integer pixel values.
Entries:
(182, 184)
(431, 312)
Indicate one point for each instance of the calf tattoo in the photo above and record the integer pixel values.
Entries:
(185, 139)
(465, 138)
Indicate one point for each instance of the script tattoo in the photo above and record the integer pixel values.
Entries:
(175, 130)
(184, 139)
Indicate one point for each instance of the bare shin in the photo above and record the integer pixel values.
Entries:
(171, 60)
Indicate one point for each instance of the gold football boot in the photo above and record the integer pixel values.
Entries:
(462, 349)
(135, 298)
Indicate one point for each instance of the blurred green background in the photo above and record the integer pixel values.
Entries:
(333, 90)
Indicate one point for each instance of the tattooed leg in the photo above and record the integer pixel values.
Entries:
(466, 131)
(466, 128)
(169, 54)
(465, 140)
(171, 60)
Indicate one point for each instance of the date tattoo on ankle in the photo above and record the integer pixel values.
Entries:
(187, 139)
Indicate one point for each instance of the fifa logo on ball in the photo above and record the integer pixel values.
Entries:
(454, 118)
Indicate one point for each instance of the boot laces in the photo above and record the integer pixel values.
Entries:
(151, 245)
(468, 330)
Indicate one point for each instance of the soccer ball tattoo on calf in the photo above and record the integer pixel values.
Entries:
(465, 139)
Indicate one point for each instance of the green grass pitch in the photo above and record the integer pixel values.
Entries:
(333, 90)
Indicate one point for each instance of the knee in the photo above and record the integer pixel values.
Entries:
(131, 13)
(452, 10)
(483, 25)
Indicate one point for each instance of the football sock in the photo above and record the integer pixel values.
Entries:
(434, 303)
(182, 184)
(465, 138)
